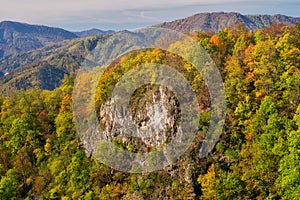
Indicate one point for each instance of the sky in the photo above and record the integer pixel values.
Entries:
(75, 15)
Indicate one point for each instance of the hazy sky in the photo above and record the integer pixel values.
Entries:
(130, 14)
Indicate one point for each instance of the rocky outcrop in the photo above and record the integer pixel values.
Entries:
(151, 121)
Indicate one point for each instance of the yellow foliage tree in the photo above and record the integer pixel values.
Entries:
(208, 183)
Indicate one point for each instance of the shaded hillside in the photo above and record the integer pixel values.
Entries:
(213, 22)
(18, 37)
(91, 32)
(33, 69)
(46, 67)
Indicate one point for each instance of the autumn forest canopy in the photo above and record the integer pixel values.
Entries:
(257, 156)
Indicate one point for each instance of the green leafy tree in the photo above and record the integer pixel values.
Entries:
(289, 169)
(9, 185)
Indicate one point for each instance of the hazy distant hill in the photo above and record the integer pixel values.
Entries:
(91, 32)
(213, 22)
(18, 37)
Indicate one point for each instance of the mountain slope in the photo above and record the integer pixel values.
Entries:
(18, 37)
(36, 56)
(91, 32)
(213, 22)
(45, 68)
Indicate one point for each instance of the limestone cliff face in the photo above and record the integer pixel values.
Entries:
(150, 121)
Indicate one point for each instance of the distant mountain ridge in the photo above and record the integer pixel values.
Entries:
(91, 32)
(34, 56)
(45, 68)
(16, 37)
(213, 22)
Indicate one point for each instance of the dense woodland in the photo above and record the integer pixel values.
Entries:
(257, 157)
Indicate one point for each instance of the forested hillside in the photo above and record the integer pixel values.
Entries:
(257, 156)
